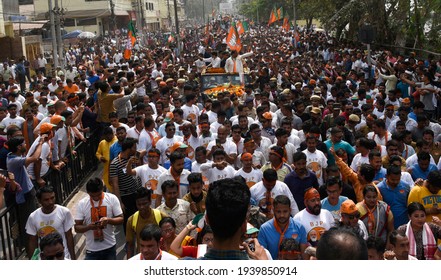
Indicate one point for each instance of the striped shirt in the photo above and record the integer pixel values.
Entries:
(127, 184)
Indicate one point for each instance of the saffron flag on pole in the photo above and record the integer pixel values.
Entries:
(233, 39)
(240, 28)
(279, 13)
(286, 26)
(273, 17)
(131, 39)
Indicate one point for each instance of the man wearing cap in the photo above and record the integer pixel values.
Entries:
(315, 219)
(282, 226)
(316, 102)
(267, 130)
(38, 169)
(182, 148)
(328, 121)
(350, 217)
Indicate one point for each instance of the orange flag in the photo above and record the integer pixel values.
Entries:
(286, 26)
(233, 39)
(240, 28)
(273, 17)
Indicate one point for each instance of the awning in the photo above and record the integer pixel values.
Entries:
(28, 24)
(97, 13)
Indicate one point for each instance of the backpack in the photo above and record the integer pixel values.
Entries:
(156, 213)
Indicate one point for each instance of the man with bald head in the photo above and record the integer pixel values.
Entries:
(223, 143)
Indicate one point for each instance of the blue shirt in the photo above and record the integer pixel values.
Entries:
(93, 79)
(397, 200)
(334, 209)
(340, 145)
(417, 172)
(187, 164)
(269, 238)
(298, 186)
(380, 175)
(115, 149)
(412, 116)
(17, 166)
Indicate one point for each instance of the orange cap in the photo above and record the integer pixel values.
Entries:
(46, 128)
(267, 115)
(246, 156)
(177, 145)
(348, 207)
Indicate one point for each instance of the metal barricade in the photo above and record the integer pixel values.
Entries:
(65, 183)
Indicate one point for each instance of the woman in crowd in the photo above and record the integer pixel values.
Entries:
(168, 229)
(375, 214)
(422, 236)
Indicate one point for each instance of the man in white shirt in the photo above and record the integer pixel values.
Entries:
(315, 219)
(148, 173)
(219, 168)
(264, 192)
(248, 172)
(223, 143)
(191, 111)
(166, 142)
(214, 60)
(316, 160)
(234, 63)
(96, 216)
(50, 217)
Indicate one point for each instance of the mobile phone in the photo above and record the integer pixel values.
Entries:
(137, 155)
(218, 142)
(250, 244)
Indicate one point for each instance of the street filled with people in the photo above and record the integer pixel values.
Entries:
(281, 145)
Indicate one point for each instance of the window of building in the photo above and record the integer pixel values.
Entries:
(86, 21)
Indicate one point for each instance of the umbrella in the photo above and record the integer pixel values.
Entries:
(86, 35)
(72, 34)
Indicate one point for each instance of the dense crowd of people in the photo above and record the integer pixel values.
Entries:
(323, 141)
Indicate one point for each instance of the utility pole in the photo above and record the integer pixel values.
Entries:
(54, 41)
(177, 28)
(294, 14)
(112, 17)
(203, 11)
(58, 30)
(169, 16)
